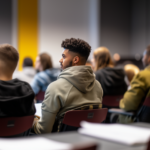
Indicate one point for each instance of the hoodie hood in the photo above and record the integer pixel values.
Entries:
(81, 77)
(14, 89)
(16, 98)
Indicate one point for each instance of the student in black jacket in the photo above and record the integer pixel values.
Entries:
(16, 97)
(111, 78)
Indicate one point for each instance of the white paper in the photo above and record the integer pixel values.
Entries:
(37, 143)
(38, 109)
(125, 134)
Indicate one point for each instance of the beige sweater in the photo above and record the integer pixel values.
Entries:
(75, 87)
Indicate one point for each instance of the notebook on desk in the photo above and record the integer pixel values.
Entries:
(38, 109)
(119, 133)
(40, 143)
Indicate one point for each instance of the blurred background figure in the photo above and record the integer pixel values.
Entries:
(46, 74)
(131, 70)
(28, 72)
(111, 79)
(89, 63)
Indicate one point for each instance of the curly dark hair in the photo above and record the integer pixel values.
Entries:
(27, 62)
(78, 46)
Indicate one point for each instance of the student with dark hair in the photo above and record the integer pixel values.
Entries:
(16, 97)
(28, 72)
(75, 88)
(27, 62)
(46, 74)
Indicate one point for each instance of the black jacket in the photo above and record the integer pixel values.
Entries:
(112, 81)
(16, 99)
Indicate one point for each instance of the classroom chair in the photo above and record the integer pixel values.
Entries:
(72, 119)
(88, 146)
(141, 115)
(15, 126)
(111, 101)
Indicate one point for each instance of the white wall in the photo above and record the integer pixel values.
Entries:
(63, 19)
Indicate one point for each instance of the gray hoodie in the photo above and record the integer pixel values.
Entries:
(75, 87)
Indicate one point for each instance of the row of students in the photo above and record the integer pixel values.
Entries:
(81, 94)
(111, 78)
(75, 88)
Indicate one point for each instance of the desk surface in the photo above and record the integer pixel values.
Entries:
(75, 137)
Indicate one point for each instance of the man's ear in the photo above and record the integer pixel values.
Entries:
(76, 59)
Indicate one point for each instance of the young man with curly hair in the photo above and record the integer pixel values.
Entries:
(75, 88)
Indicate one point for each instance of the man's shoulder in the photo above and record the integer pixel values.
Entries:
(48, 73)
(144, 73)
(59, 84)
(41, 76)
(18, 81)
(98, 85)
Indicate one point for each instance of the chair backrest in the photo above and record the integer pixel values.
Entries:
(86, 146)
(144, 111)
(148, 146)
(15, 125)
(74, 117)
(40, 95)
(147, 99)
(112, 100)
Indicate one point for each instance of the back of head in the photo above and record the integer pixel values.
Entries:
(46, 61)
(8, 59)
(78, 46)
(102, 58)
(27, 62)
(131, 70)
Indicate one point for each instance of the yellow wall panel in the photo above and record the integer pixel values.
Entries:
(27, 29)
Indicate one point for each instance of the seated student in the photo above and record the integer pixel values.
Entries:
(112, 79)
(140, 86)
(16, 97)
(75, 87)
(46, 74)
(28, 72)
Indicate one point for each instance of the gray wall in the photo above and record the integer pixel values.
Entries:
(5, 21)
(125, 26)
(115, 26)
(140, 26)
